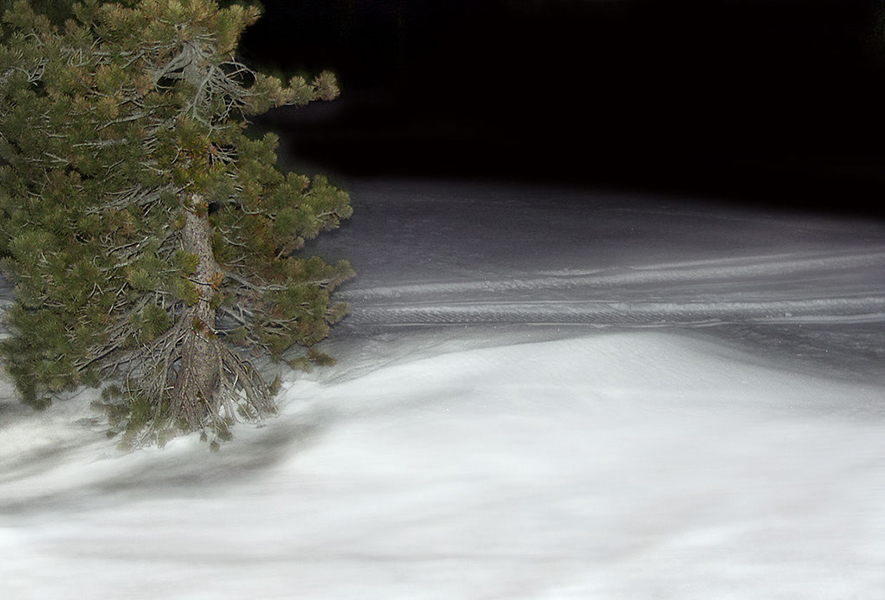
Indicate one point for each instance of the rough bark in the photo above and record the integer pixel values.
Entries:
(191, 380)
(197, 380)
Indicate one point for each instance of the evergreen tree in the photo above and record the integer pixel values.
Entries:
(153, 244)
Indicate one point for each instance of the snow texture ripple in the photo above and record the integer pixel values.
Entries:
(620, 297)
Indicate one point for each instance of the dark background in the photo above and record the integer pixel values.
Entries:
(780, 102)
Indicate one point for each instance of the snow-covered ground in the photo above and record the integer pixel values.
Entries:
(541, 394)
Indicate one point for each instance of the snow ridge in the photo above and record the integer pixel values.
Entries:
(798, 288)
(842, 310)
(769, 266)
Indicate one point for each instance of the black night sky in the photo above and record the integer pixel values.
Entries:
(765, 101)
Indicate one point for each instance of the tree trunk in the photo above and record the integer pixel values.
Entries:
(197, 379)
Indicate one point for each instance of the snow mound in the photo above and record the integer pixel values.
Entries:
(630, 465)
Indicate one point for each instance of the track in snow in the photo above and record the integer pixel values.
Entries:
(812, 288)
(842, 310)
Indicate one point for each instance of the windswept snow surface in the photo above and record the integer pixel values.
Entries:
(542, 394)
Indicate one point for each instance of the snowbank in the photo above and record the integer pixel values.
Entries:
(627, 465)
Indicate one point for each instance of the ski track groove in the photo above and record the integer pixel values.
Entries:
(842, 310)
(692, 272)
(483, 302)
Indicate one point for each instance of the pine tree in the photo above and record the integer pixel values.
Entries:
(154, 245)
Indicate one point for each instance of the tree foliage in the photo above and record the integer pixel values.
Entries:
(154, 245)
(56, 10)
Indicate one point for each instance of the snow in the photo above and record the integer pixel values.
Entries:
(541, 394)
